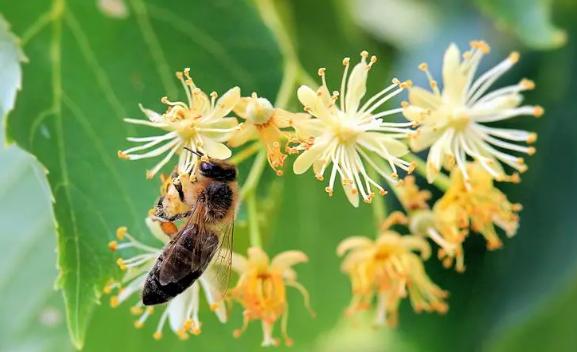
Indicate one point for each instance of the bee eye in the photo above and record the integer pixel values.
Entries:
(206, 167)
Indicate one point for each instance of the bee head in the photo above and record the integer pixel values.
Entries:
(218, 170)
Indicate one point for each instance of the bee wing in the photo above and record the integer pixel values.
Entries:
(188, 253)
(222, 261)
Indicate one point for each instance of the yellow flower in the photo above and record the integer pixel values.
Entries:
(261, 289)
(389, 269)
(200, 125)
(473, 205)
(265, 122)
(352, 134)
(410, 196)
(182, 312)
(454, 121)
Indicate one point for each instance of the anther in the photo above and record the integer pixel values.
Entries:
(346, 61)
(396, 81)
(121, 264)
(372, 60)
(321, 71)
(364, 54)
(113, 246)
(214, 94)
(136, 310)
(406, 84)
(164, 100)
(532, 138)
(481, 45)
(121, 232)
(329, 190)
(423, 67)
(514, 57)
(527, 84)
(114, 301)
(157, 335)
(122, 155)
(179, 75)
(538, 111)
(531, 150)
(138, 324)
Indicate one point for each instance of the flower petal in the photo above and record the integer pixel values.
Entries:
(286, 259)
(352, 194)
(352, 243)
(307, 158)
(453, 79)
(239, 263)
(245, 133)
(152, 115)
(312, 102)
(257, 256)
(178, 307)
(356, 87)
(215, 150)
(423, 98)
(226, 103)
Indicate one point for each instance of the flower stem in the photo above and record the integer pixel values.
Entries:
(253, 226)
(441, 181)
(254, 175)
(246, 153)
(248, 193)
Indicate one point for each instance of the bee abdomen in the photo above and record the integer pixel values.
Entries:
(155, 293)
(182, 262)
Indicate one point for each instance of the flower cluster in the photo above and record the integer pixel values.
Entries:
(356, 141)
(388, 269)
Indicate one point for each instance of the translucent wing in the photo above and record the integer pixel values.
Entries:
(222, 260)
(188, 253)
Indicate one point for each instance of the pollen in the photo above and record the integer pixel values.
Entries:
(114, 301)
(121, 232)
(136, 310)
(538, 111)
(112, 246)
(514, 57)
(122, 155)
(527, 84)
(157, 335)
(481, 45)
(121, 264)
(138, 324)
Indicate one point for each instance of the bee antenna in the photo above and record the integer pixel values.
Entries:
(194, 151)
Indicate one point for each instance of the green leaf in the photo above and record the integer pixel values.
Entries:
(530, 20)
(88, 70)
(551, 327)
(32, 314)
(10, 71)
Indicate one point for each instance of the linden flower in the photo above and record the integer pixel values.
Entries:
(454, 121)
(265, 122)
(261, 289)
(389, 269)
(479, 209)
(182, 311)
(199, 125)
(352, 134)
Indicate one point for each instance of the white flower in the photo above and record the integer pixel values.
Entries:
(182, 311)
(351, 134)
(454, 121)
(199, 125)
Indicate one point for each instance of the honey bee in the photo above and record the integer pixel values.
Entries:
(208, 200)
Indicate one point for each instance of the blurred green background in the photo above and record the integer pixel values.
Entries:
(89, 63)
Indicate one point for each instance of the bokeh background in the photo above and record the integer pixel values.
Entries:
(111, 55)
